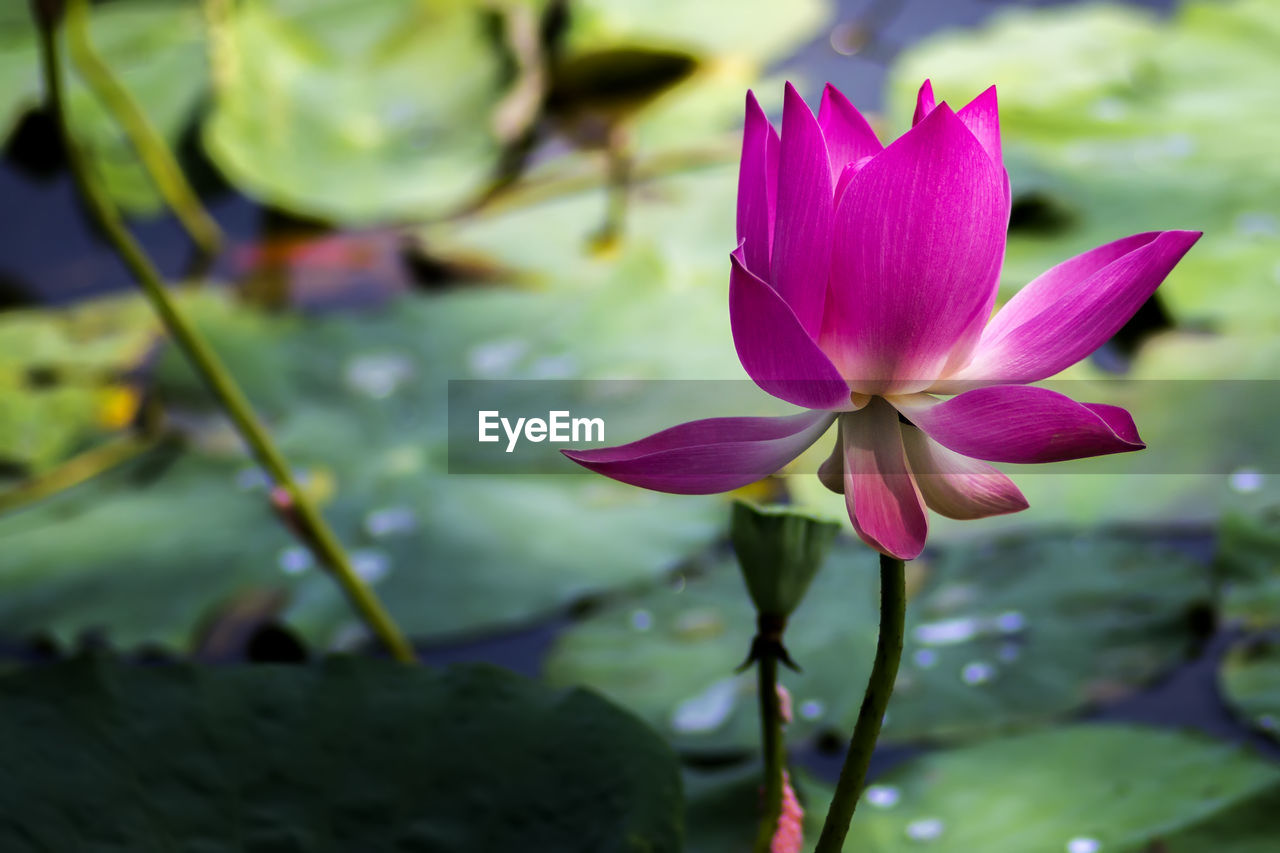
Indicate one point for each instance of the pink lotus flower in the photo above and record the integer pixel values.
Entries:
(862, 288)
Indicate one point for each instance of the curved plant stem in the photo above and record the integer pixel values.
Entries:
(74, 471)
(151, 149)
(315, 532)
(893, 607)
(774, 750)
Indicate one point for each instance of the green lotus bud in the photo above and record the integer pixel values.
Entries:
(780, 550)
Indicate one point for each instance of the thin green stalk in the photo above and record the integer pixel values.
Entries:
(74, 471)
(774, 750)
(315, 531)
(893, 609)
(150, 147)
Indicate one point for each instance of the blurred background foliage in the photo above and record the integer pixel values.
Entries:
(532, 189)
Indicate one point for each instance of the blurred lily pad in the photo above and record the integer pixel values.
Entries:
(359, 405)
(357, 112)
(1250, 682)
(157, 51)
(679, 231)
(363, 754)
(999, 636)
(1144, 130)
(1248, 569)
(62, 375)
(1112, 788)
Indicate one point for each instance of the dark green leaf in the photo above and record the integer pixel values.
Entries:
(348, 755)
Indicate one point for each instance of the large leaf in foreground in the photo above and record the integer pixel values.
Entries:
(350, 754)
(1000, 636)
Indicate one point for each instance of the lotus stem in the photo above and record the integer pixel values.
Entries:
(315, 532)
(893, 608)
(774, 749)
(156, 158)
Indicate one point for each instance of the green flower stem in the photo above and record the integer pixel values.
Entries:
(893, 610)
(147, 143)
(74, 471)
(315, 531)
(774, 749)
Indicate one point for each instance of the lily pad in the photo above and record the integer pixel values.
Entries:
(364, 754)
(1112, 788)
(62, 377)
(999, 636)
(1250, 682)
(357, 112)
(1248, 568)
(168, 86)
(359, 404)
(1142, 132)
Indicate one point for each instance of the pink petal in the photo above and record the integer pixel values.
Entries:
(924, 102)
(1020, 423)
(802, 228)
(1074, 308)
(757, 184)
(918, 236)
(982, 117)
(708, 456)
(774, 348)
(849, 137)
(884, 503)
(962, 351)
(957, 486)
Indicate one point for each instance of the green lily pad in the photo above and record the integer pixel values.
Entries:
(1249, 827)
(363, 754)
(998, 637)
(1248, 568)
(1250, 683)
(357, 112)
(61, 378)
(359, 404)
(1109, 788)
(1142, 131)
(167, 86)
(1122, 787)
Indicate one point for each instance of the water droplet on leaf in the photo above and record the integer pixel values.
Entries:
(1084, 845)
(295, 560)
(370, 564)
(812, 709)
(1246, 480)
(708, 710)
(925, 829)
(977, 672)
(378, 375)
(948, 632)
(1011, 622)
(390, 521)
(495, 358)
(882, 796)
